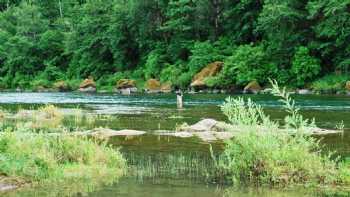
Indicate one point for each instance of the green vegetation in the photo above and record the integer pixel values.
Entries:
(46, 42)
(261, 154)
(31, 154)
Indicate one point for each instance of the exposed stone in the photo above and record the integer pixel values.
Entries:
(126, 91)
(88, 85)
(347, 86)
(106, 133)
(126, 83)
(252, 87)
(210, 70)
(304, 91)
(166, 87)
(201, 126)
(153, 86)
(7, 187)
(61, 86)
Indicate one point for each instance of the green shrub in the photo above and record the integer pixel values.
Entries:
(248, 63)
(330, 83)
(154, 63)
(43, 158)
(264, 154)
(304, 66)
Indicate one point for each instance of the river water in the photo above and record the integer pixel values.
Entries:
(158, 112)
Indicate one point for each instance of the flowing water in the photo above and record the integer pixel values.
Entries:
(158, 112)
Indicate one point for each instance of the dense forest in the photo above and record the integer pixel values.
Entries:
(298, 43)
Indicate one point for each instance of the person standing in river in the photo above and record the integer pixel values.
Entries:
(179, 98)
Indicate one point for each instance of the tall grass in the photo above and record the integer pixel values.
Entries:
(41, 158)
(263, 154)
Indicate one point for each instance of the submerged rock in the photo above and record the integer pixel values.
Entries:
(106, 133)
(252, 87)
(88, 85)
(210, 70)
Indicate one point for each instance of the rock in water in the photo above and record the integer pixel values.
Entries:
(153, 86)
(347, 86)
(252, 87)
(126, 86)
(210, 70)
(61, 86)
(166, 87)
(304, 91)
(203, 125)
(126, 83)
(88, 85)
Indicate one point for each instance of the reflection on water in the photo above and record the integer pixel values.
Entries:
(158, 112)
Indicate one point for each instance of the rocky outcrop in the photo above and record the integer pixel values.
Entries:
(252, 87)
(347, 86)
(61, 86)
(88, 85)
(126, 83)
(126, 86)
(153, 86)
(166, 87)
(210, 70)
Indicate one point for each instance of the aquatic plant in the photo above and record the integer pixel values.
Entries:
(42, 158)
(273, 156)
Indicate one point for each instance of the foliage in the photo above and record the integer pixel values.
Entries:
(330, 83)
(248, 63)
(304, 66)
(43, 158)
(273, 156)
(71, 40)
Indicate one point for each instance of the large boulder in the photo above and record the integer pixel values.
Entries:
(210, 70)
(347, 86)
(252, 87)
(126, 86)
(166, 87)
(126, 83)
(153, 86)
(88, 85)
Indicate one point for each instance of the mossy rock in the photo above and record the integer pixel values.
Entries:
(87, 83)
(166, 87)
(153, 85)
(210, 70)
(252, 87)
(61, 86)
(126, 83)
(347, 86)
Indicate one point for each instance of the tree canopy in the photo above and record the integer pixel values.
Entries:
(295, 42)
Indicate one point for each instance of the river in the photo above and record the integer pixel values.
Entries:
(159, 112)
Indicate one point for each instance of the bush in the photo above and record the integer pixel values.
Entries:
(43, 158)
(248, 63)
(154, 63)
(330, 83)
(304, 66)
(264, 154)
